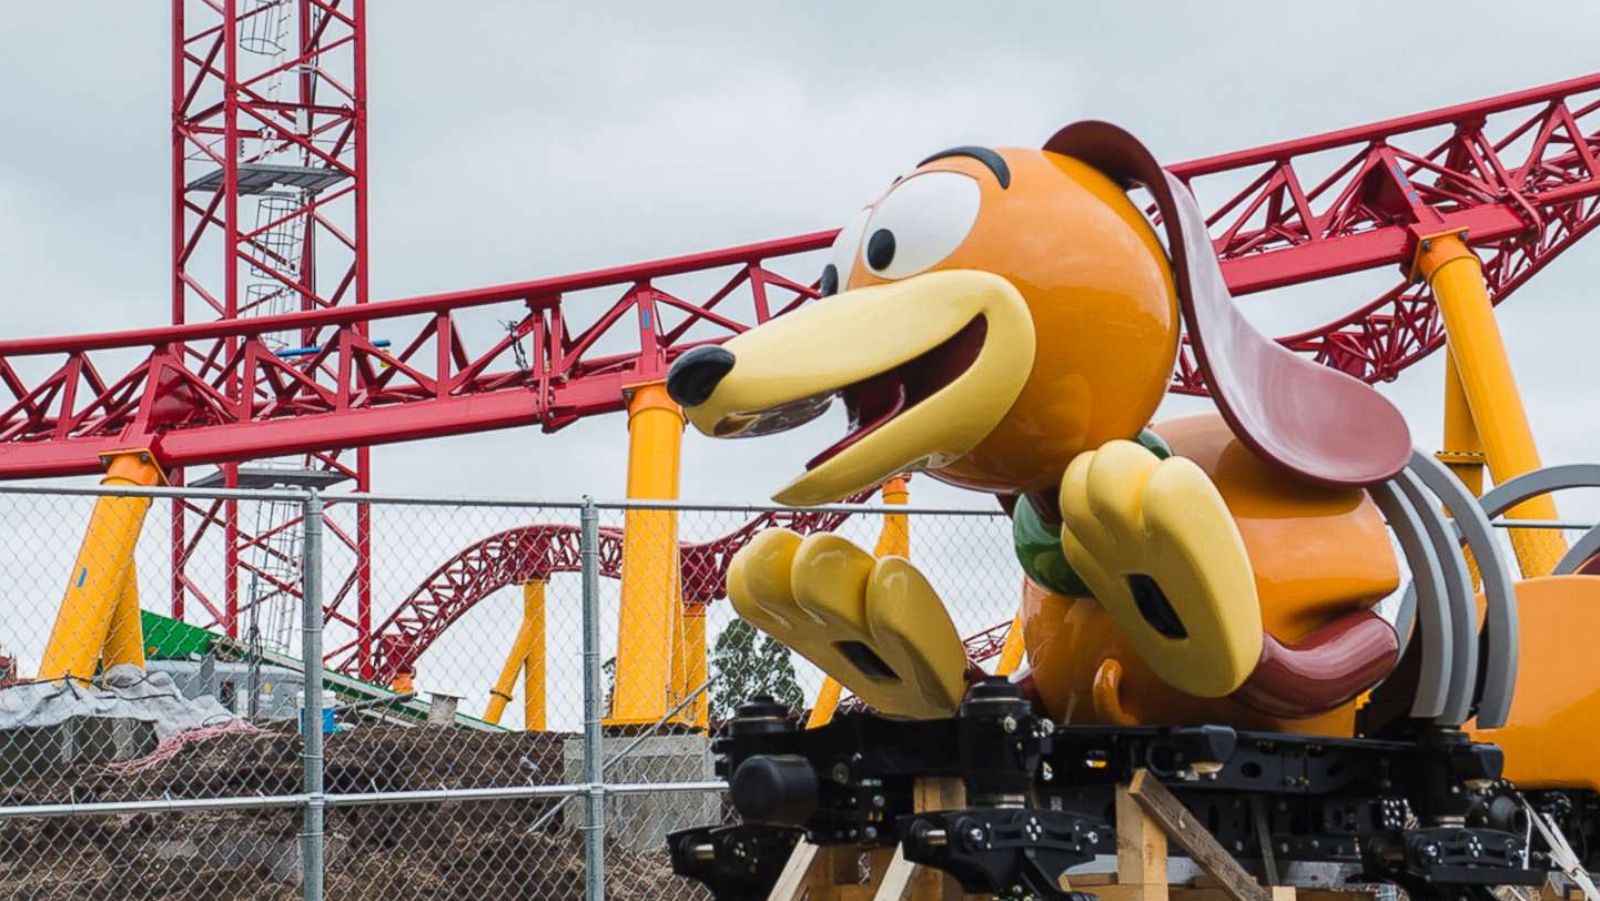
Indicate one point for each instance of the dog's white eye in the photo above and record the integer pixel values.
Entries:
(842, 256)
(920, 222)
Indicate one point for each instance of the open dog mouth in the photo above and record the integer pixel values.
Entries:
(927, 368)
(873, 402)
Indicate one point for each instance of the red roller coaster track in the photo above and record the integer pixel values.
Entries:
(1518, 172)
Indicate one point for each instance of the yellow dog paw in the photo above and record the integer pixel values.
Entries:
(875, 625)
(1154, 541)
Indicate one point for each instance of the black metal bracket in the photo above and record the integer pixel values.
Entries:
(1009, 853)
(1432, 861)
(737, 863)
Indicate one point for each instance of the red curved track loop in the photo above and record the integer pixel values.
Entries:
(536, 552)
(1518, 172)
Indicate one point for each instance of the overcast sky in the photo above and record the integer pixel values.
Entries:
(514, 139)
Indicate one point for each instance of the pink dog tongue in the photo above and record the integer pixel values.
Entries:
(871, 403)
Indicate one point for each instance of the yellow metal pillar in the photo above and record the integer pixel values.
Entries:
(678, 666)
(1011, 650)
(526, 657)
(1473, 336)
(125, 641)
(500, 694)
(651, 595)
(1463, 449)
(100, 583)
(533, 692)
(894, 540)
(692, 647)
(827, 702)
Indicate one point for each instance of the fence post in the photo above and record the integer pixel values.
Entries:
(594, 847)
(311, 840)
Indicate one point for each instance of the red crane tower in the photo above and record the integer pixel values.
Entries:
(269, 208)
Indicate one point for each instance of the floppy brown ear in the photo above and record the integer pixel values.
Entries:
(1316, 422)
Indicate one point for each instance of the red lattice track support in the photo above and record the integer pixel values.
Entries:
(530, 353)
(1518, 174)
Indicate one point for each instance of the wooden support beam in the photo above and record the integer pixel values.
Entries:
(895, 882)
(1203, 848)
(792, 882)
(834, 873)
(1141, 851)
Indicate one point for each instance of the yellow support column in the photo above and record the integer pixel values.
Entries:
(1463, 449)
(533, 692)
(651, 597)
(125, 641)
(99, 583)
(526, 657)
(1479, 354)
(1011, 650)
(693, 648)
(500, 694)
(894, 540)
(826, 704)
(679, 662)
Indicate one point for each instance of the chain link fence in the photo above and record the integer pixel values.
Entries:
(516, 700)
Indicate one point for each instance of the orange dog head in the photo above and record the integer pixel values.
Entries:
(997, 312)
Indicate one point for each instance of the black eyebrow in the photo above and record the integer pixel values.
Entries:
(984, 155)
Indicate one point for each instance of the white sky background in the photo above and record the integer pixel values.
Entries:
(510, 140)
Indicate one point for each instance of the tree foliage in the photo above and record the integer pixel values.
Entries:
(746, 663)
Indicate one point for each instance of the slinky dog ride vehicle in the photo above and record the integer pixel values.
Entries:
(1200, 591)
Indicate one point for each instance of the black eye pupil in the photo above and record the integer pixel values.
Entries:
(880, 249)
(830, 280)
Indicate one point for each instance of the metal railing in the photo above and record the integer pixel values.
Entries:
(387, 805)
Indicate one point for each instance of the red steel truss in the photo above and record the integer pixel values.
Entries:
(1518, 172)
(268, 217)
(986, 645)
(533, 553)
(459, 362)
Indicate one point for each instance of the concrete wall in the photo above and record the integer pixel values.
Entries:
(34, 751)
(641, 822)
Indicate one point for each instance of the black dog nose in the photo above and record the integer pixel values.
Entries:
(695, 375)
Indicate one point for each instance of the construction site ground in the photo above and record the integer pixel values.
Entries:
(461, 850)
